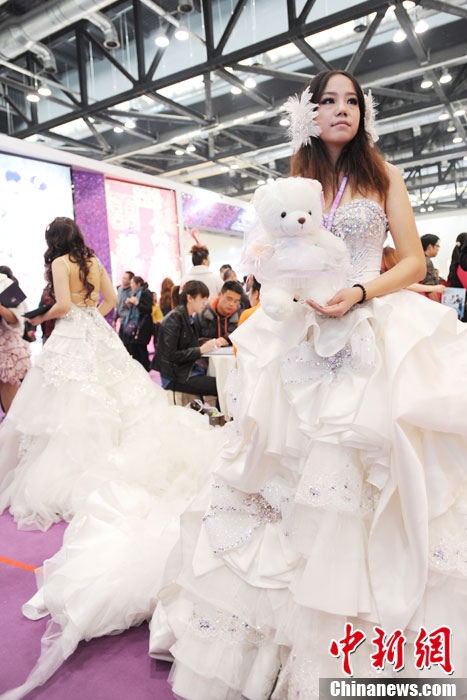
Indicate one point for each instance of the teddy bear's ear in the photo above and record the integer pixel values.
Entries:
(259, 195)
(316, 186)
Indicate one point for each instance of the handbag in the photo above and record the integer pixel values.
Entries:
(131, 330)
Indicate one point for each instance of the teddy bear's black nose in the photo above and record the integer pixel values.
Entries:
(301, 220)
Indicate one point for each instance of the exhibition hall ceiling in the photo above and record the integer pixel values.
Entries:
(194, 89)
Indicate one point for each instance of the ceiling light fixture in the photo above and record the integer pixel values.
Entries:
(161, 39)
(250, 83)
(191, 148)
(446, 77)
(236, 90)
(234, 166)
(426, 83)
(118, 130)
(457, 139)
(451, 128)
(284, 121)
(459, 112)
(421, 26)
(44, 90)
(33, 97)
(130, 124)
(431, 208)
(261, 182)
(423, 210)
(399, 36)
(443, 116)
(181, 34)
(408, 4)
(179, 152)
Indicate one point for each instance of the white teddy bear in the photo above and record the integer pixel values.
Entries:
(289, 251)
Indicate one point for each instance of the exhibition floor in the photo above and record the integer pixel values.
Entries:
(109, 668)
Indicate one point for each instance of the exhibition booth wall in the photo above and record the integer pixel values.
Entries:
(132, 220)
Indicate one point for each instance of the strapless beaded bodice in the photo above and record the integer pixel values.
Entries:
(362, 224)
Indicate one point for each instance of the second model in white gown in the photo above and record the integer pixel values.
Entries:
(341, 498)
(90, 437)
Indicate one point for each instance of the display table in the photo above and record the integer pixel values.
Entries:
(221, 363)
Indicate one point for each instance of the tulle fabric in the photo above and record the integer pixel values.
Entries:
(342, 497)
(87, 408)
(90, 438)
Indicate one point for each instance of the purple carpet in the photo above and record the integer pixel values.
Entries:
(108, 668)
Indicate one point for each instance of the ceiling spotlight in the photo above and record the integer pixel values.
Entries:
(270, 180)
(236, 90)
(451, 128)
(130, 124)
(426, 84)
(181, 34)
(179, 152)
(399, 36)
(191, 148)
(421, 26)
(44, 90)
(446, 77)
(408, 4)
(443, 116)
(459, 112)
(261, 182)
(161, 39)
(250, 83)
(33, 97)
(234, 166)
(284, 121)
(185, 6)
(118, 129)
(423, 210)
(457, 139)
(430, 208)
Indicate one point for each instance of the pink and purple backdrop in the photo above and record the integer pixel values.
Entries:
(143, 231)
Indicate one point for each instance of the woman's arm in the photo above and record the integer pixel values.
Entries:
(62, 294)
(8, 315)
(426, 288)
(411, 266)
(108, 292)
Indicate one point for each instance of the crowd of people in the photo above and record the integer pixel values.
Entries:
(335, 502)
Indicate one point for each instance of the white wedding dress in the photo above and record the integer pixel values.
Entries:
(340, 498)
(90, 437)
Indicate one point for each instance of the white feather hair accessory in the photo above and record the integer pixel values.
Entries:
(303, 126)
(370, 117)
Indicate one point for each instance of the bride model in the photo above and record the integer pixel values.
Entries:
(339, 508)
(87, 412)
(90, 435)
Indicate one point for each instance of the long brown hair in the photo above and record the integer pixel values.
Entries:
(63, 236)
(362, 161)
(165, 298)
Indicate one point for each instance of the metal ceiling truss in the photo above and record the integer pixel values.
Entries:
(219, 131)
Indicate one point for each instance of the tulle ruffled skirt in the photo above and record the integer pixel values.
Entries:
(341, 498)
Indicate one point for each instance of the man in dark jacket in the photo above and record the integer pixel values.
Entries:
(220, 317)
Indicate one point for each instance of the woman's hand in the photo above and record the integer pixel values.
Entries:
(209, 346)
(340, 303)
(133, 300)
(36, 320)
